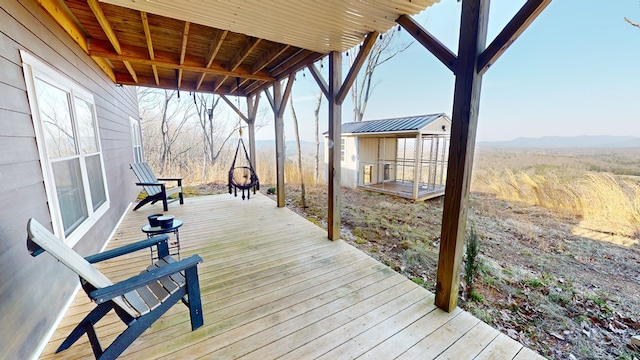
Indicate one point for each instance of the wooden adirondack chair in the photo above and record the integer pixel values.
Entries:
(155, 189)
(138, 301)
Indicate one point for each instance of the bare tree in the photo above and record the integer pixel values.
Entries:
(297, 133)
(383, 50)
(632, 22)
(316, 119)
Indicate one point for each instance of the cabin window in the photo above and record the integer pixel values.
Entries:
(136, 141)
(71, 156)
(342, 149)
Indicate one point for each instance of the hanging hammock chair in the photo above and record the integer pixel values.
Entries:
(242, 176)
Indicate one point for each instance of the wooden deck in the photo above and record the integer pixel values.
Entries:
(273, 286)
(405, 190)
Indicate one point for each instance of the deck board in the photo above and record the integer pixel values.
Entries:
(273, 286)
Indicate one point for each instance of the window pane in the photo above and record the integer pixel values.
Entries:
(86, 127)
(70, 191)
(96, 183)
(53, 104)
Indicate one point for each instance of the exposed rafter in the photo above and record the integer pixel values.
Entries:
(369, 41)
(183, 49)
(214, 47)
(268, 57)
(242, 54)
(147, 36)
(523, 18)
(111, 35)
(138, 55)
(235, 108)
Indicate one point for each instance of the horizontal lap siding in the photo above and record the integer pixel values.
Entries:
(27, 283)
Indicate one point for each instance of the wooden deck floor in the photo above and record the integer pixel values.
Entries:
(273, 286)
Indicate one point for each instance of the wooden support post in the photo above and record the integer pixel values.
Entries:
(335, 134)
(473, 34)
(252, 106)
(280, 154)
(417, 166)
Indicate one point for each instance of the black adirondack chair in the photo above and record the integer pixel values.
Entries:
(138, 301)
(156, 190)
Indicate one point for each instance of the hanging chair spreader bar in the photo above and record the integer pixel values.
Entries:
(248, 180)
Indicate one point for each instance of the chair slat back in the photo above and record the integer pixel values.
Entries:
(66, 255)
(145, 175)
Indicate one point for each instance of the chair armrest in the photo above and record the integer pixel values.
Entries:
(107, 293)
(142, 244)
(179, 180)
(150, 184)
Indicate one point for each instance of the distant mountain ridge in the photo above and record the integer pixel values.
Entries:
(585, 141)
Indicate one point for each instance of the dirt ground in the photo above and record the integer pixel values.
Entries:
(565, 295)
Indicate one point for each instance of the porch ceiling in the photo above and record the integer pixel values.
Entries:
(224, 47)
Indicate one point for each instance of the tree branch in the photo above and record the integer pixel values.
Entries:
(632, 23)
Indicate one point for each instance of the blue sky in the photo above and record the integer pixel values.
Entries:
(574, 71)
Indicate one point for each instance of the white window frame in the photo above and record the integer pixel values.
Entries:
(34, 68)
(136, 140)
(343, 149)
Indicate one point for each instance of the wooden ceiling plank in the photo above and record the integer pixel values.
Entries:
(216, 43)
(309, 59)
(523, 18)
(247, 47)
(446, 56)
(369, 41)
(268, 57)
(68, 23)
(200, 80)
(235, 109)
(138, 55)
(185, 38)
(238, 85)
(322, 83)
(105, 25)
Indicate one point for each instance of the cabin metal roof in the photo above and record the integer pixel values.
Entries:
(402, 124)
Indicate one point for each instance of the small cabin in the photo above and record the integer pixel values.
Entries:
(405, 156)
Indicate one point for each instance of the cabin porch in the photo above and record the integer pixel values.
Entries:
(273, 286)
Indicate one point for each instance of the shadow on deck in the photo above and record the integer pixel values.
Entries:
(273, 286)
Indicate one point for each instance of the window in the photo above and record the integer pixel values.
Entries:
(136, 140)
(342, 149)
(69, 145)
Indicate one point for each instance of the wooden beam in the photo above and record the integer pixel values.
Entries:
(446, 56)
(523, 18)
(147, 36)
(105, 25)
(335, 134)
(214, 47)
(67, 22)
(309, 59)
(252, 111)
(219, 81)
(322, 83)
(369, 41)
(138, 55)
(280, 150)
(106, 67)
(246, 49)
(239, 85)
(282, 66)
(466, 99)
(270, 99)
(417, 163)
(235, 108)
(269, 56)
(185, 39)
(287, 93)
(165, 83)
(111, 35)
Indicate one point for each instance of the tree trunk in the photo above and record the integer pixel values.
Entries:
(297, 133)
(316, 114)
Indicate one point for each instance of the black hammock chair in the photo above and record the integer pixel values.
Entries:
(242, 177)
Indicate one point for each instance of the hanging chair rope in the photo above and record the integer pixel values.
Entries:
(242, 177)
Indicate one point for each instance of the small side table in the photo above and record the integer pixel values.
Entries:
(157, 230)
